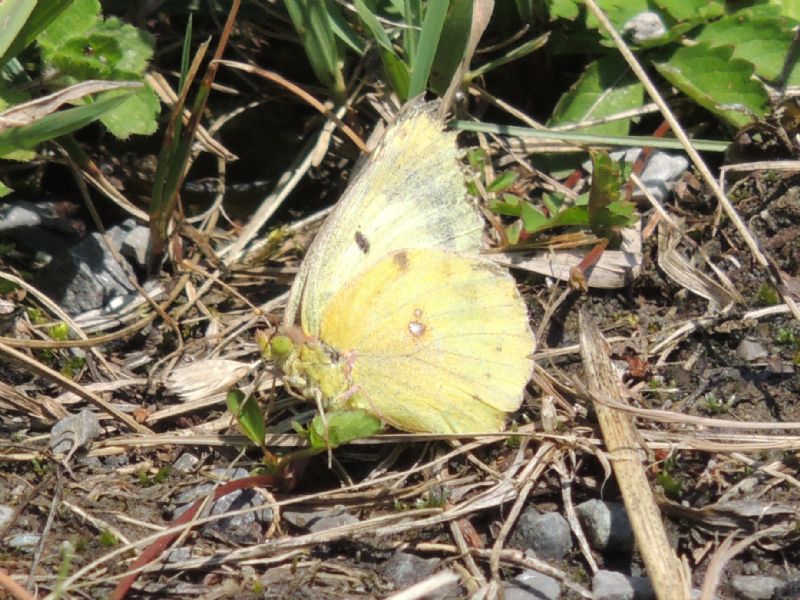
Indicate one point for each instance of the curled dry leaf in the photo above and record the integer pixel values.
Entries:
(205, 377)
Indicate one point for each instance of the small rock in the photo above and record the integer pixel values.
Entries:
(6, 514)
(26, 542)
(754, 587)
(132, 240)
(320, 520)
(788, 591)
(186, 462)
(645, 26)
(244, 528)
(611, 585)
(547, 534)
(85, 276)
(74, 431)
(179, 554)
(748, 350)
(606, 526)
(404, 569)
(532, 585)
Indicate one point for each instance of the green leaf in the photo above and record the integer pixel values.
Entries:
(91, 57)
(605, 88)
(563, 9)
(452, 45)
(13, 16)
(502, 182)
(59, 123)
(607, 210)
(136, 45)
(509, 206)
(532, 218)
(314, 25)
(695, 10)
(4, 190)
(396, 70)
(422, 59)
(764, 42)
(717, 82)
(42, 15)
(248, 414)
(135, 116)
(343, 426)
(788, 8)
(75, 21)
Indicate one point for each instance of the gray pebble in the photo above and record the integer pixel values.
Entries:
(6, 514)
(606, 526)
(404, 569)
(26, 542)
(85, 276)
(320, 520)
(748, 350)
(243, 528)
(754, 587)
(611, 585)
(547, 534)
(532, 585)
(186, 462)
(74, 431)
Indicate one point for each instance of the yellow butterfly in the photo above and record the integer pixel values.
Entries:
(397, 313)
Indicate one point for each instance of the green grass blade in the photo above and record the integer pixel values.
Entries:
(314, 25)
(588, 139)
(15, 37)
(428, 43)
(59, 123)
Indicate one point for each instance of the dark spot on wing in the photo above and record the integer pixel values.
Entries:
(362, 242)
(401, 260)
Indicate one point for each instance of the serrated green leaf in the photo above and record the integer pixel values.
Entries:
(788, 8)
(564, 9)
(57, 124)
(605, 88)
(619, 12)
(136, 116)
(764, 42)
(76, 20)
(92, 57)
(696, 10)
(607, 211)
(136, 45)
(248, 414)
(717, 82)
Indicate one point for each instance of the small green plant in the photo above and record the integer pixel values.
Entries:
(93, 64)
(768, 295)
(670, 482)
(713, 405)
(107, 539)
(786, 337)
(145, 480)
(59, 332)
(602, 210)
